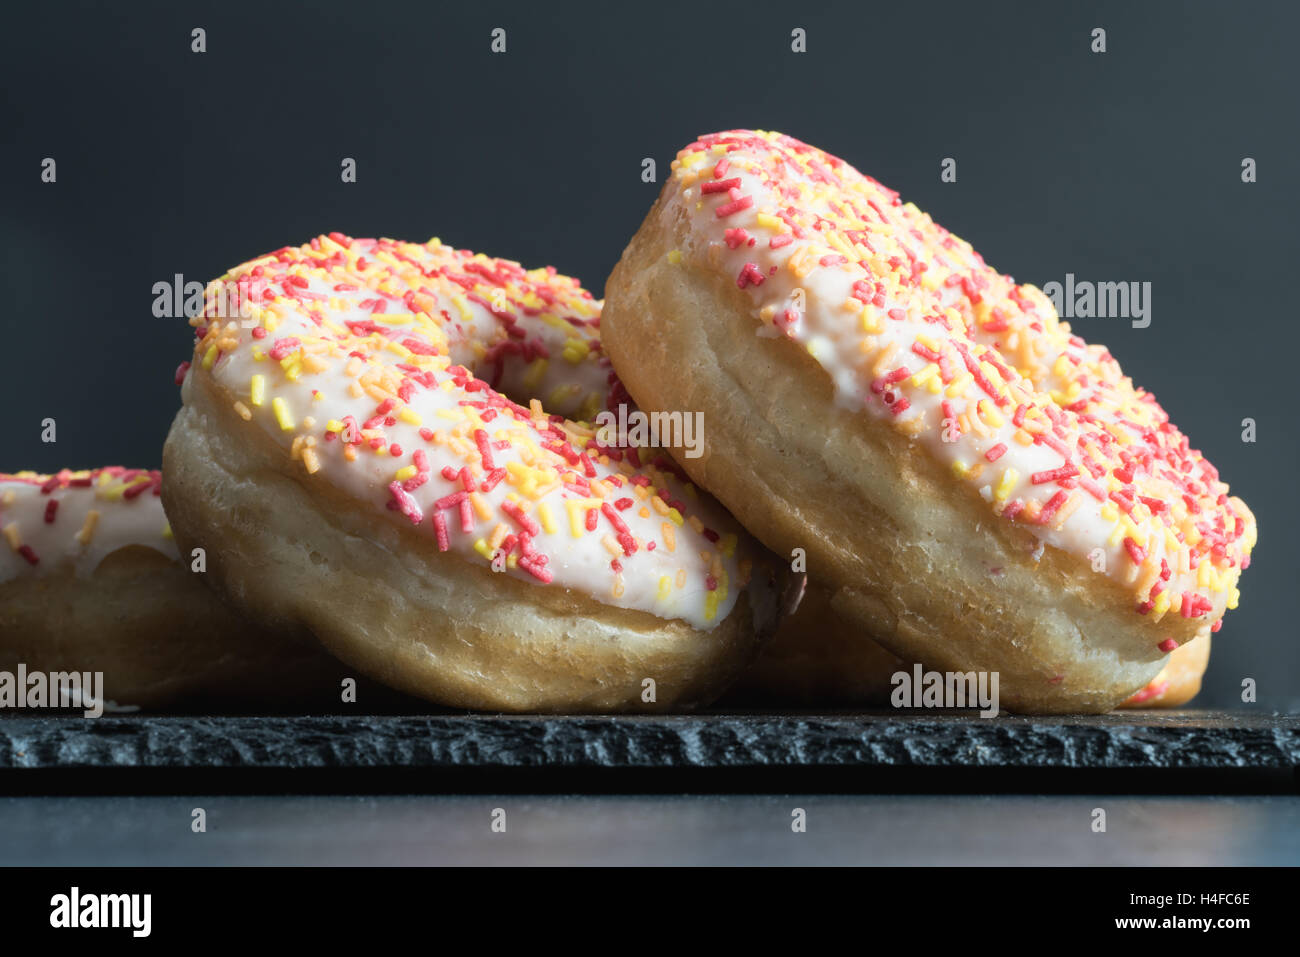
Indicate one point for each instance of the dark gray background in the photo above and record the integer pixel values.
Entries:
(1121, 166)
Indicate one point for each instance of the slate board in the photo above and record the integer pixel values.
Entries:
(1145, 740)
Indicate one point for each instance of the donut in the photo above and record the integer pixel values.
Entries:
(91, 581)
(345, 455)
(979, 487)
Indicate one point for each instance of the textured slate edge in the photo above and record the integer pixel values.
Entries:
(1168, 740)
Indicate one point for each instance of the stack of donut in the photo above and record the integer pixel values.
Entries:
(386, 455)
(976, 487)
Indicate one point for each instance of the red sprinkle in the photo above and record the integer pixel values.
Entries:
(484, 449)
(720, 185)
(405, 503)
(526, 521)
(1054, 475)
(735, 206)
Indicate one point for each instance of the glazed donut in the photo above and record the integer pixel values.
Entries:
(980, 488)
(343, 456)
(91, 580)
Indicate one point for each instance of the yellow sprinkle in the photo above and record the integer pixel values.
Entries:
(405, 473)
(577, 513)
(533, 377)
(88, 527)
(282, 413)
(959, 385)
(1161, 605)
(547, 519)
(1232, 599)
(210, 356)
(931, 371)
(675, 256)
(257, 390)
(310, 460)
(665, 587)
(481, 546)
(670, 536)
(728, 544)
(710, 605)
(14, 536)
(243, 411)
(1005, 484)
(410, 416)
(480, 505)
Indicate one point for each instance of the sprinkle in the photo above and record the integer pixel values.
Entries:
(1054, 475)
(484, 448)
(1005, 484)
(735, 206)
(1054, 503)
(282, 414)
(406, 504)
(523, 519)
(87, 533)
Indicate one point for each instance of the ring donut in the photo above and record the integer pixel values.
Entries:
(980, 488)
(343, 456)
(91, 580)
